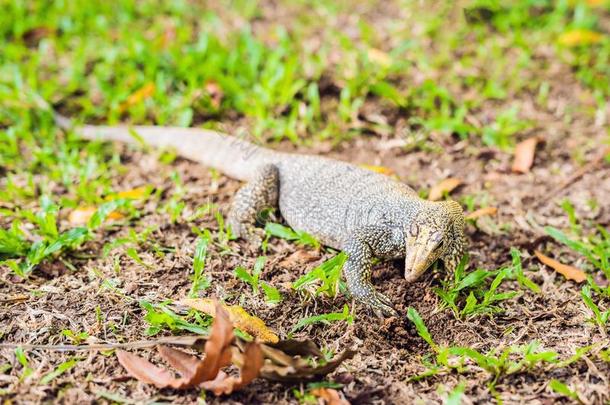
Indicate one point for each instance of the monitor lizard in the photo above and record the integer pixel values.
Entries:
(363, 213)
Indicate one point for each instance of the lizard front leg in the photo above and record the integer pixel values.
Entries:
(258, 194)
(361, 248)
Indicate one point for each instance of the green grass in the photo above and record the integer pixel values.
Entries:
(323, 279)
(284, 232)
(200, 280)
(159, 317)
(22, 256)
(497, 363)
(595, 248)
(344, 315)
(252, 277)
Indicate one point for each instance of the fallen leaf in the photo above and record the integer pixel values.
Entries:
(329, 396)
(280, 362)
(482, 212)
(569, 272)
(578, 37)
(145, 371)
(298, 369)
(295, 347)
(250, 363)
(137, 96)
(81, 215)
(524, 155)
(379, 57)
(299, 257)
(217, 348)
(379, 169)
(218, 354)
(133, 194)
(243, 320)
(445, 186)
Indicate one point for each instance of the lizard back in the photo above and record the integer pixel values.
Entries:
(329, 198)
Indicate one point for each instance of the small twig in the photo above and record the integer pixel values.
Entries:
(175, 340)
(576, 176)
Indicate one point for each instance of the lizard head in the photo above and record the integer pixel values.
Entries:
(437, 232)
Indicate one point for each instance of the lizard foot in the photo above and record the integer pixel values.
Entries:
(248, 232)
(381, 306)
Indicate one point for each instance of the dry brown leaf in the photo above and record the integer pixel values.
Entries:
(243, 320)
(81, 215)
(218, 354)
(294, 347)
(250, 363)
(218, 347)
(183, 362)
(578, 37)
(145, 371)
(524, 155)
(569, 272)
(299, 257)
(445, 186)
(482, 212)
(329, 396)
(299, 370)
(379, 169)
(137, 96)
(281, 362)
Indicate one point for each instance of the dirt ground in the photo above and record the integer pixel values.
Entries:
(388, 351)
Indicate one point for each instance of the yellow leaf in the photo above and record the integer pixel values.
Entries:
(240, 318)
(579, 37)
(81, 215)
(379, 169)
(133, 194)
(379, 57)
(481, 212)
(445, 186)
(137, 96)
(569, 272)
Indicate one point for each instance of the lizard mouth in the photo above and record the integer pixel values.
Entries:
(417, 260)
(414, 272)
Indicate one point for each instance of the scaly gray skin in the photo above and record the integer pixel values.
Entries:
(366, 214)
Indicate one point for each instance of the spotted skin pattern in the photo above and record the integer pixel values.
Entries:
(366, 214)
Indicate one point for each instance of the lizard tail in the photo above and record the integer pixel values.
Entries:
(231, 155)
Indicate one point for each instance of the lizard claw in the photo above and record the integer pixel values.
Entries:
(248, 232)
(382, 306)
